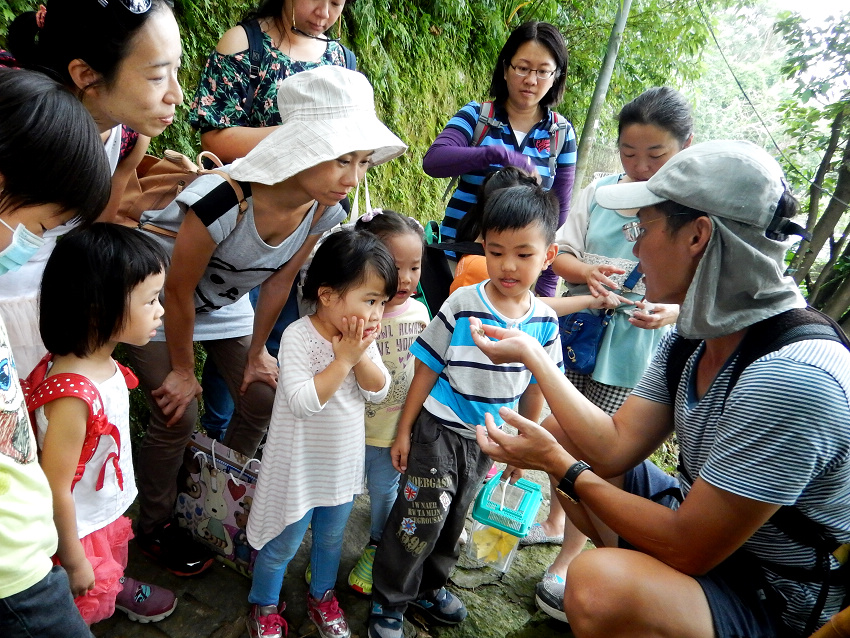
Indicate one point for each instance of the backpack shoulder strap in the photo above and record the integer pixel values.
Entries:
(557, 139)
(69, 384)
(485, 121)
(680, 351)
(774, 333)
(350, 58)
(255, 58)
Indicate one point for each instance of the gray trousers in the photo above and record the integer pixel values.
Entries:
(161, 453)
(419, 547)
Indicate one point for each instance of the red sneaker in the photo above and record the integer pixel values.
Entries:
(327, 616)
(145, 603)
(264, 621)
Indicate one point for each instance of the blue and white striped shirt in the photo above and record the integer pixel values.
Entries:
(783, 437)
(469, 384)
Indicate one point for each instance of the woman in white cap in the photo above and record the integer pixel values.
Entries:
(750, 539)
(292, 184)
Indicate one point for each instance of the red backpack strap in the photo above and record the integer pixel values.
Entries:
(76, 385)
(130, 377)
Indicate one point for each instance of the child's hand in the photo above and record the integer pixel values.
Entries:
(597, 278)
(399, 452)
(350, 346)
(609, 301)
(80, 575)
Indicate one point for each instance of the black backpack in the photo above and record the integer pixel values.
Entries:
(255, 59)
(761, 339)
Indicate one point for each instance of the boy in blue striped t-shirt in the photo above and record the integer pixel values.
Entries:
(453, 387)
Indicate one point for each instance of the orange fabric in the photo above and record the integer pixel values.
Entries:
(471, 269)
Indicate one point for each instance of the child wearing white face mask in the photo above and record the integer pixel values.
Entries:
(52, 170)
(40, 123)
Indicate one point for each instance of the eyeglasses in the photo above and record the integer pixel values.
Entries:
(635, 230)
(542, 74)
(133, 6)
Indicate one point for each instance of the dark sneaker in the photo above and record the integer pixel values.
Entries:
(327, 616)
(145, 603)
(549, 595)
(442, 606)
(385, 623)
(264, 621)
(173, 547)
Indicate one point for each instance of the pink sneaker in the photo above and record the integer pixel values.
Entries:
(493, 471)
(145, 603)
(327, 616)
(265, 621)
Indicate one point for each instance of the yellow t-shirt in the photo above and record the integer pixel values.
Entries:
(399, 328)
(27, 533)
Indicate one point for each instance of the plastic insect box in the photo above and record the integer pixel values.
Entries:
(502, 514)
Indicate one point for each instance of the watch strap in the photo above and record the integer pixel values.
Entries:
(567, 484)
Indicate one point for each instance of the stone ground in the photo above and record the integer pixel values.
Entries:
(215, 603)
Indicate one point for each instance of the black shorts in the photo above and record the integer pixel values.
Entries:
(733, 589)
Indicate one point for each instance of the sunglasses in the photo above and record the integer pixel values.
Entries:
(133, 6)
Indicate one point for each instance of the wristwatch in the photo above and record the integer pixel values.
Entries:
(567, 486)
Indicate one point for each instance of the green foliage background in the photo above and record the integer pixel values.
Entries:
(426, 58)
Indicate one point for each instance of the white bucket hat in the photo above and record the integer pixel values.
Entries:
(327, 112)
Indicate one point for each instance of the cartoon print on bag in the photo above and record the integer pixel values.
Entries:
(16, 436)
(211, 528)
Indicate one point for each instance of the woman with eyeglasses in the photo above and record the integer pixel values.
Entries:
(120, 58)
(293, 37)
(528, 80)
(595, 246)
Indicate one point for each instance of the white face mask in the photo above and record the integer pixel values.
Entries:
(25, 244)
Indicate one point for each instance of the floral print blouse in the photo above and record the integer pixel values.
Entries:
(224, 86)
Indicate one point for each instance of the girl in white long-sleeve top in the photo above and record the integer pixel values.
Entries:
(313, 461)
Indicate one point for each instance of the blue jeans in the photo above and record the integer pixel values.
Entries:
(328, 525)
(218, 404)
(45, 610)
(382, 481)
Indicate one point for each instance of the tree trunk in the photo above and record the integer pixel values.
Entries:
(815, 189)
(826, 224)
(824, 276)
(838, 303)
(588, 133)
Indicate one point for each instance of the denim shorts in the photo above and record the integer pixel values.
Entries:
(733, 589)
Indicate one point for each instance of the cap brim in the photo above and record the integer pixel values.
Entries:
(626, 196)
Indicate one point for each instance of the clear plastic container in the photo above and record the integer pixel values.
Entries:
(491, 546)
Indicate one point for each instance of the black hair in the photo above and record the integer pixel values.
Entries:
(787, 208)
(87, 284)
(516, 207)
(101, 36)
(345, 259)
(545, 34)
(660, 106)
(389, 223)
(469, 227)
(50, 150)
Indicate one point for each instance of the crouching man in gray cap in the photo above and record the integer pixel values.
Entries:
(752, 537)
